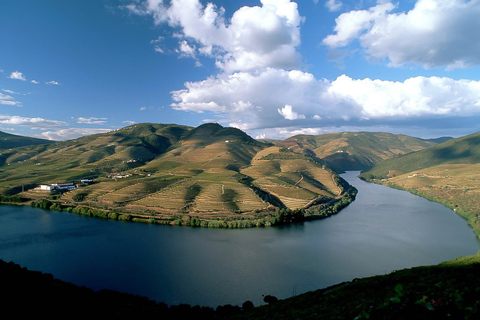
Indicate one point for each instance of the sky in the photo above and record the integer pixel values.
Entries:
(272, 68)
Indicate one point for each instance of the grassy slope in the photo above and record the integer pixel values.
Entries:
(8, 141)
(464, 150)
(173, 173)
(448, 291)
(355, 150)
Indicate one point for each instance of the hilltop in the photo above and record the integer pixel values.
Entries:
(355, 150)
(8, 141)
(165, 173)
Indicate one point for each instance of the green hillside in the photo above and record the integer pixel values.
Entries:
(8, 141)
(165, 173)
(464, 150)
(354, 150)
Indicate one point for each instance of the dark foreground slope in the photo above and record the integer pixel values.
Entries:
(448, 291)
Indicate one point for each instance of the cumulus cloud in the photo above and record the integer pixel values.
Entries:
(255, 37)
(71, 133)
(35, 123)
(16, 75)
(435, 33)
(91, 120)
(265, 99)
(55, 83)
(288, 113)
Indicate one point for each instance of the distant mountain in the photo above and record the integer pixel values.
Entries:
(463, 150)
(8, 141)
(439, 140)
(354, 150)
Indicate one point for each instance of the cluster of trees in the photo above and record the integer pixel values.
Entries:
(333, 206)
(84, 211)
(12, 199)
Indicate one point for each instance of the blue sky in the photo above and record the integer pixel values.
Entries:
(273, 68)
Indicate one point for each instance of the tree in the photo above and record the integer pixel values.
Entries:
(270, 299)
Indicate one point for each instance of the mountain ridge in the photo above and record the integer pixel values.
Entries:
(354, 150)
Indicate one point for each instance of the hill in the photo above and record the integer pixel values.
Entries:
(464, 150)
(446, 291)
(8, 141)
(164, 173)
(448, 173)
(354, 150)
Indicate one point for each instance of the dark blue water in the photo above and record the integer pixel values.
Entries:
(383, 230)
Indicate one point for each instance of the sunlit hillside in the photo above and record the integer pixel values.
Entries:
(176, 174)
(355, 150)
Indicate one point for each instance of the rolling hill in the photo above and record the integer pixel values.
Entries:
(354, 150)
(8, 141)
(448, 173)
(176, 174)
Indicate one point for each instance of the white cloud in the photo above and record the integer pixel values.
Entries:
(158, 49)
(30, 122)
(55, 83)
(250, 101)
(34, 82)
(434, 33)
(9, 91)
(288, 113)
(71, 133)
(91, 120)
(333, 5)
(255, 37)
(16, 75)
(129, 122)
(186, 50)
(8, 100)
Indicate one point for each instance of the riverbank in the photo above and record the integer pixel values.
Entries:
(316, 210)
(458, 202)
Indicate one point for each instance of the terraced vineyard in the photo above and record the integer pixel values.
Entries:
(174, 174)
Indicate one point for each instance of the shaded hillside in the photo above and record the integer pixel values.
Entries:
(8, 141)
(204, 176)
(450, 290)
(354, 150)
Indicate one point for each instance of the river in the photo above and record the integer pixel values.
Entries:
(382, 230)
